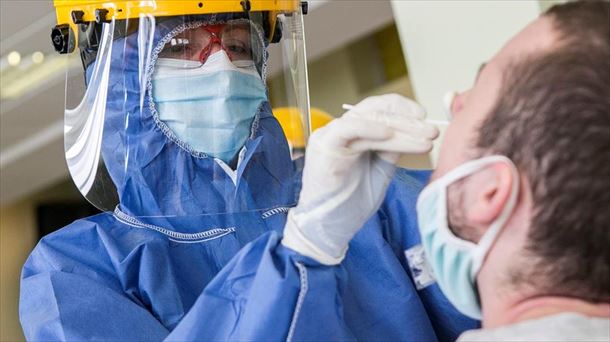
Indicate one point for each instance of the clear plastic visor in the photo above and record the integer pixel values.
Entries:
(173, 116)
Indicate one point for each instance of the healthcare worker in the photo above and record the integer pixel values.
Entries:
(172, 137)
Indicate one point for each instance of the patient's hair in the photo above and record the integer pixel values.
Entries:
(553, 120)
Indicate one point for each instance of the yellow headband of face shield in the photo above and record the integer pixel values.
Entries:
(73, 12)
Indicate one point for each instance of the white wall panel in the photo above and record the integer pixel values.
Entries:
(445, 42)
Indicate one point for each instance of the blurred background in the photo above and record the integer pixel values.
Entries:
(420, 49)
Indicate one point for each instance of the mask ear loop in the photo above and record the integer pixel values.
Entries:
(484, 245)
(465, 170)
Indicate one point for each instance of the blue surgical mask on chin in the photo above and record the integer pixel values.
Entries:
(211, 107)
(456, 262)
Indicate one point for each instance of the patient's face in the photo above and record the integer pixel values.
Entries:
(472, 106)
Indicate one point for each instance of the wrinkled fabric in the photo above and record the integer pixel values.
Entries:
(109, 279)
(205, 273)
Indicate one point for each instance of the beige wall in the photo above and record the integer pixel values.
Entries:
(17, 238)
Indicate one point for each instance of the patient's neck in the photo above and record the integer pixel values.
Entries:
(539, 307)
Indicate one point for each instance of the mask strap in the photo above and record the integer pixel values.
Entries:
(490, 236)
(463, 171)
(469, 168)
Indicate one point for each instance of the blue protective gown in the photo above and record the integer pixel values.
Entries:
(140, 274)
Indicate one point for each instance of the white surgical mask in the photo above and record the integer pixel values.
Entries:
(211, 108)
(455, 261)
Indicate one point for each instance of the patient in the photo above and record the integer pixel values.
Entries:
(544, 103)
(516, 221)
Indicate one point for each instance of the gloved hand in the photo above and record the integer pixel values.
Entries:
(348, 166)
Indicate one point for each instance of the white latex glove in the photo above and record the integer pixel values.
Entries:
(348, 166)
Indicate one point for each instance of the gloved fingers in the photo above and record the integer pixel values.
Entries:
(417, 128)
(390, 103)
(399, 143)
(347, 130)
(401, 103)
(411, 126)
(397, 112)
(394, 146)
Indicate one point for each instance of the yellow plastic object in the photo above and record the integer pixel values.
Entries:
(290, 120)
(127, 9)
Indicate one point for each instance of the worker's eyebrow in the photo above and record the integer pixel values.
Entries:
(480, 70)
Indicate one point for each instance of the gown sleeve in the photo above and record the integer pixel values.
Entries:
(268, 293)
(259, 295)
(61, 306)
(63, 298)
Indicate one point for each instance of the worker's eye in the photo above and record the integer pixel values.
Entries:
(179, 48)
(237, 49)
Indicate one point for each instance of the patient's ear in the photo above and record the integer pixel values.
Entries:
(490, 189)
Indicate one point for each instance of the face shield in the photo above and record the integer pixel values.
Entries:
(172, 116)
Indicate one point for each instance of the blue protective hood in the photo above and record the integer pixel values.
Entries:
(156, 176)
